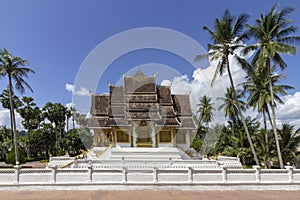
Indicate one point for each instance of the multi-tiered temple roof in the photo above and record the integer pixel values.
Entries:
(140, 99)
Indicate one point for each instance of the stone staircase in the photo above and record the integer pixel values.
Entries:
(144, 154)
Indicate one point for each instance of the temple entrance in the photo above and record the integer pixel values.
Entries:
(144, 135)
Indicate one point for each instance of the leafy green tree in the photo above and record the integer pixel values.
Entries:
(73, 142)
(11, 158)
(31, 117)
(86, 137)
(227, 38)
(5, 141)
(38, 142)
(272, 31)
(14, 69)
(82, 120)
(56, 114)
(4, 99)
(289, 142)
(49, 138)
(237, 144)
(265, 146)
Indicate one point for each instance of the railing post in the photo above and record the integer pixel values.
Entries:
(257, 173)
(90, 172)
(190, 174)
(155, 175)
(17, 174)
(290, 172)
(124, 175)
(54, 172)
(75, 163)
(224, 174)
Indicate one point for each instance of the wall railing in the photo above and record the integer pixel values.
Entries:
(151, 174)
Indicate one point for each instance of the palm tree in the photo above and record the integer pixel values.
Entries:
(73, 113)
(13, 67)
(4, 99)
(289, 143)
(257, 84)
(68, 116)
(31, 117)
(205, 110)
(230, 105)
(272, 33)
(227, 38)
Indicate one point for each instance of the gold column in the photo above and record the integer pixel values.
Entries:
(113, 137)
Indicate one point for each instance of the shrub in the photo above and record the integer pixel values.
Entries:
(10, 158)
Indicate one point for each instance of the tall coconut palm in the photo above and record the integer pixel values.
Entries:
(272, 32)
(68, 116)
(73, 113)
(227, 38)
(230, 105)
(205, 110)
(290, 141)
(4, 99)
(13, 67)
(257, 84)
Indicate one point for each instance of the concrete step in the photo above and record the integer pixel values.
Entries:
(145, 154)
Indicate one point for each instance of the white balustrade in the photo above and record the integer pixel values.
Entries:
(155, 173)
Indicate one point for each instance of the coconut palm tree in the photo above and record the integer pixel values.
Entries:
(68, 116)
(13, 67)
(4, 99)
(272, 31)
(205, 110)
(289, 142)
(257, 84)
(227, 38)
(230, 105)
(73, 113)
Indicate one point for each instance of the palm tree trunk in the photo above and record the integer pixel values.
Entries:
(67, 124)
(274, 116)
(73, 121)
(11, 128)
(241, 114)
(12, 113)
(269, 116)
(266, 138)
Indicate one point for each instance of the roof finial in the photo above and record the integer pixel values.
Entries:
(139, 73)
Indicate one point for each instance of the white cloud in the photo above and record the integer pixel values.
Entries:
(290, 110)
(166, 83)
(70, 105)
(200, 85)
(81, 92)
(5, 119)
(70, 87)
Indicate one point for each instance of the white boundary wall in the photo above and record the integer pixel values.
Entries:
(148, 175)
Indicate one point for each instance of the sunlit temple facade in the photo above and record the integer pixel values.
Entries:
(141, 114)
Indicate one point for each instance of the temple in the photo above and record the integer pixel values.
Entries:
(139, 126)
(141, 114)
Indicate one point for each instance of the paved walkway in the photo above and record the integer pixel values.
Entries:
(153, 195)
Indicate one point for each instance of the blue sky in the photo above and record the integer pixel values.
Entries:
(56, 36)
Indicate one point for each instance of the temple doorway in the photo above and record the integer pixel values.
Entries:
(143, 135)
